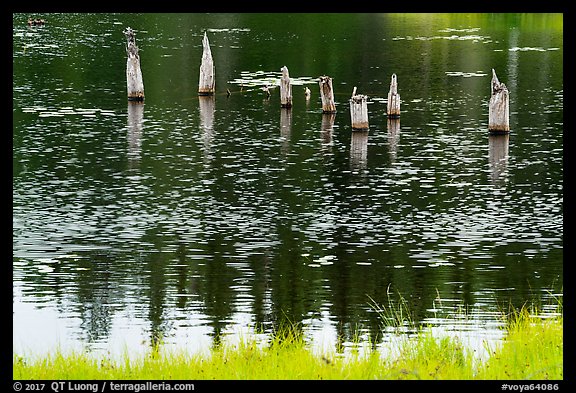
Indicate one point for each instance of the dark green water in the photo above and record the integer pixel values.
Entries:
(192, 220)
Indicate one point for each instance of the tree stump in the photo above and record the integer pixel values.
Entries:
(359, 111)
(285, 89)
(499, 110)
(207, 82)
(327, 95)
(393, 107)
(134, 79)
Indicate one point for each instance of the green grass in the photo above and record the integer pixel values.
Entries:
(532, 349)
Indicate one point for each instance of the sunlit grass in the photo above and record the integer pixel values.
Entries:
(532, 349)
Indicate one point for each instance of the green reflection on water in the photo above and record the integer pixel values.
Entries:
(175, 198)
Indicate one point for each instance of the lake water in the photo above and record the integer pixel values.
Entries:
(192, 220)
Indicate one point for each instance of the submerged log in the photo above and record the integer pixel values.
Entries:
(134, 81)
(285, 89)
(207, 82)
(499, 110)
(393, 108)
(359, 111)
(327, 95)
(266, 90)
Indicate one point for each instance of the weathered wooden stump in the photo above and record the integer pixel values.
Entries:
(327, 95)
(359, 111)
(285, 89)
(207, 81)
(393, 125)
(393, 107)
(134, 79)
(499, 110)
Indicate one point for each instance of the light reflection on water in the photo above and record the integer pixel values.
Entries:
(187, 219)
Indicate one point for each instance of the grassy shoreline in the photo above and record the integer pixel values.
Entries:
(532, 349)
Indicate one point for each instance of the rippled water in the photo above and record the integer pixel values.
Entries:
(193, 219)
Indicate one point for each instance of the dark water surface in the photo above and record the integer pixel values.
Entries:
(190, 220)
